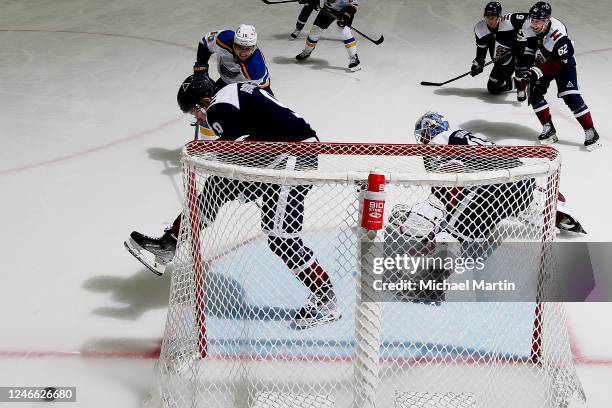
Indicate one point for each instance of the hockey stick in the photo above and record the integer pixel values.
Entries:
(280, 2)
(530, 88)
(426, 83)
(377, 42)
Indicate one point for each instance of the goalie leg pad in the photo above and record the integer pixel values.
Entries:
(418, 221)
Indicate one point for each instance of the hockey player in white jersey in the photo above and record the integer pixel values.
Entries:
(463, 219)
(548, 56)
(472, 214)
(498, 35)
(308, 7)
(344, 11)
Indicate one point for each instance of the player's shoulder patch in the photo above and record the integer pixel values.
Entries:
(481, 29)
(210, 37)
(228, 94)
(557, 30)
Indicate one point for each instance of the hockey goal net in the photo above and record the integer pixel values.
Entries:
(231, 340)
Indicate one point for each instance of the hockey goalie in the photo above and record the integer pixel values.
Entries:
(462, 221)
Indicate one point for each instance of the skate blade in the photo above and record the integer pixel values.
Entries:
(575, 228)
(594, 146)
(355, 69)
(549, 141)
(152, 265)
(307, 324)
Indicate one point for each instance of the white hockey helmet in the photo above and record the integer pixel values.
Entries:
(246, 36)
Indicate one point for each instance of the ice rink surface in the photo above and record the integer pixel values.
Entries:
(90, 137)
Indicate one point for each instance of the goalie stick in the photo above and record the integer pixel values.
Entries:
(427, 83)
(375, 41)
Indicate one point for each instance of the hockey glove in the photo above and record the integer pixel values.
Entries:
(532, 74)
(477, 67)
(346, 16)
(200, 70)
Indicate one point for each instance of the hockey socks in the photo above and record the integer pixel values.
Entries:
(315, 278)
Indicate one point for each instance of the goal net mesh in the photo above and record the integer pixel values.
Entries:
(258, 216)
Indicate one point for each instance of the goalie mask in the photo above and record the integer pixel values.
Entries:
(429, 126)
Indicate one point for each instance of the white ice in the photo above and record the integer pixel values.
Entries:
(90, 137)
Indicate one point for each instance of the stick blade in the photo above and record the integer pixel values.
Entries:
(380, 40)
(425, 83)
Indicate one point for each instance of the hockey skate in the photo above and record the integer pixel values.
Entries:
(354, 63)
(154, 253)
(295, 34)
(567, 223)
(304, 54)
(321, 307)
(549, 134)
(591, 139)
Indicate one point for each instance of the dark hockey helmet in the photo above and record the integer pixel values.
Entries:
(192, 90)
(540, 11)
(493, 8)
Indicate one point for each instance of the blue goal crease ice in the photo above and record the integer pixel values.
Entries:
(255, 297)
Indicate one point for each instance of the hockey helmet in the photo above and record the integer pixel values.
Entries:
(493, 8)
(246, 36)
(540, 11)
(428, 126)
(192, 90)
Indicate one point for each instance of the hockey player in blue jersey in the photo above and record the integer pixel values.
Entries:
(548, 56)
(238, 57)
(498, 35)
(244, 112)
(344, 11)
